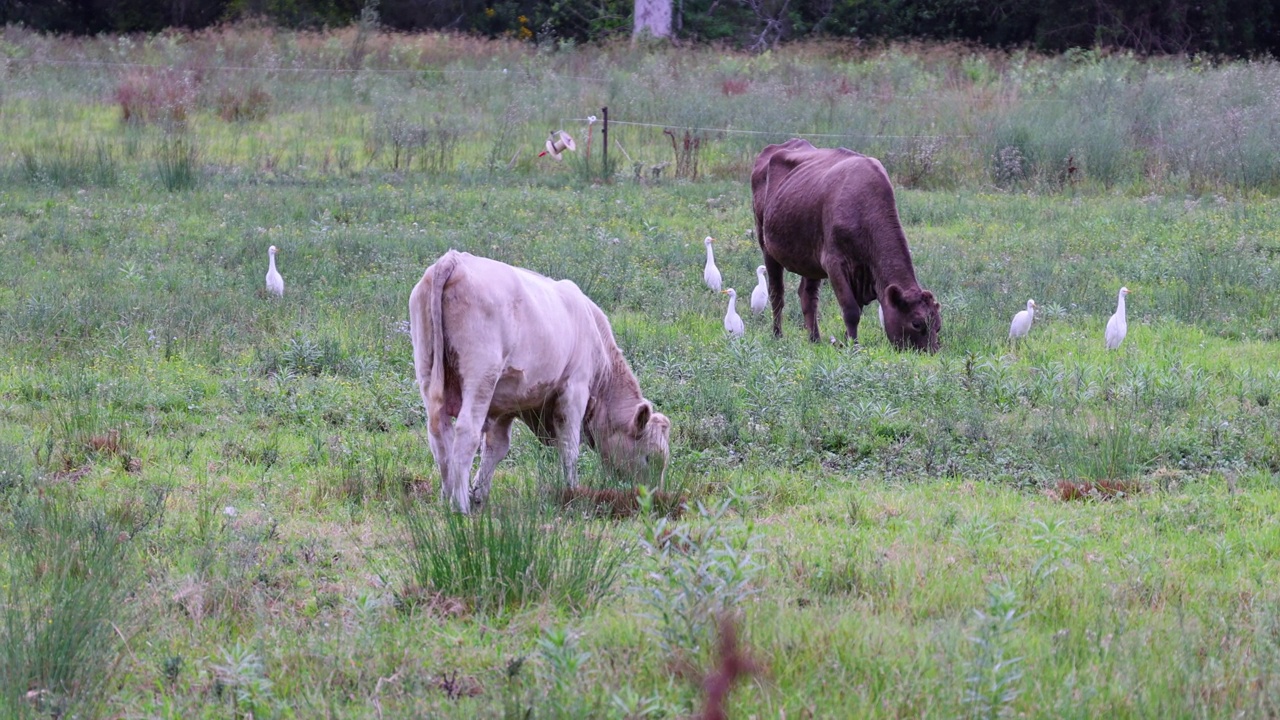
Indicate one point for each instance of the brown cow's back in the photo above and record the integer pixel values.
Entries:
(830, 213)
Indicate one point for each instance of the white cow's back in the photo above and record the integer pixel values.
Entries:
(535, 334)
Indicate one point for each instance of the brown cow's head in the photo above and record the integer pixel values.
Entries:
(912, 318)
(639, 447)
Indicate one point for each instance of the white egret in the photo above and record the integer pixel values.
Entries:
(275, 283)
(1022, 321)
(760, 296)
(711, 273)
(732, 322)
(1117, 327)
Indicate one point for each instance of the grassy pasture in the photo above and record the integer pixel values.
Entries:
(209, 500)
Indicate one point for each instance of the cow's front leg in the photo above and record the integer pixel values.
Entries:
(808, 293)
(849, 307)
(573, 406)
(493, 448)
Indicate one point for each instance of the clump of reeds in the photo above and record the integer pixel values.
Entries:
(513, 550)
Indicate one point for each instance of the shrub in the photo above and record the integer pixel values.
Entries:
(166, 96)
(250, 104)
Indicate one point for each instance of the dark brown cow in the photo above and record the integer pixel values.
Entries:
(830, 213)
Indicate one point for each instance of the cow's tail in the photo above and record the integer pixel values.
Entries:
(429, 366)
(444, 269)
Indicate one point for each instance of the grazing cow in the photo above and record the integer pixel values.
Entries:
(493, 343)
(830, 213)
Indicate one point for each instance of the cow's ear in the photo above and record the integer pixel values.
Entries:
(893, 294)
(643, 412)
(929, 299)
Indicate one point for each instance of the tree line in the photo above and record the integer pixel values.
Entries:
(1236, 28)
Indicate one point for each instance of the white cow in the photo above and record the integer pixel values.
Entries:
(492, 343)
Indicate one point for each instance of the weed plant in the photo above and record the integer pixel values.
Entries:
(696, 574)
(992, 683)
(565, 664)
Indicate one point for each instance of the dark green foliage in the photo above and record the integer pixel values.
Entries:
(1230, 27)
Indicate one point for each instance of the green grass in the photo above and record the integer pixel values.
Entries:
(887, 526)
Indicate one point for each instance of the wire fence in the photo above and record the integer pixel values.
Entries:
(654, 151)
(642, 149)
(1098, 125)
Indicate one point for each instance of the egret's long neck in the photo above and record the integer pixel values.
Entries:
(710, 257)
(1120, 305)
(272, 258)
(733, 303)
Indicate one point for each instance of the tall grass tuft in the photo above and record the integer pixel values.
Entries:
(1111, 446)
(177, 163)
(81, 430)
(516, 550)
(66, 163)
(66, 579)
(1266, 662)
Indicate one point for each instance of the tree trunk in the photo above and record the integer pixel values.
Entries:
(653, 17)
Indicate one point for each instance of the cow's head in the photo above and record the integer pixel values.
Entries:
(640, 446)
(912, 318)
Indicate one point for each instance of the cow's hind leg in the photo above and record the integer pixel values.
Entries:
(808, 293)
(440, 440)
(440, 414)
(494, 447)
(476, 396)
(773, 269)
